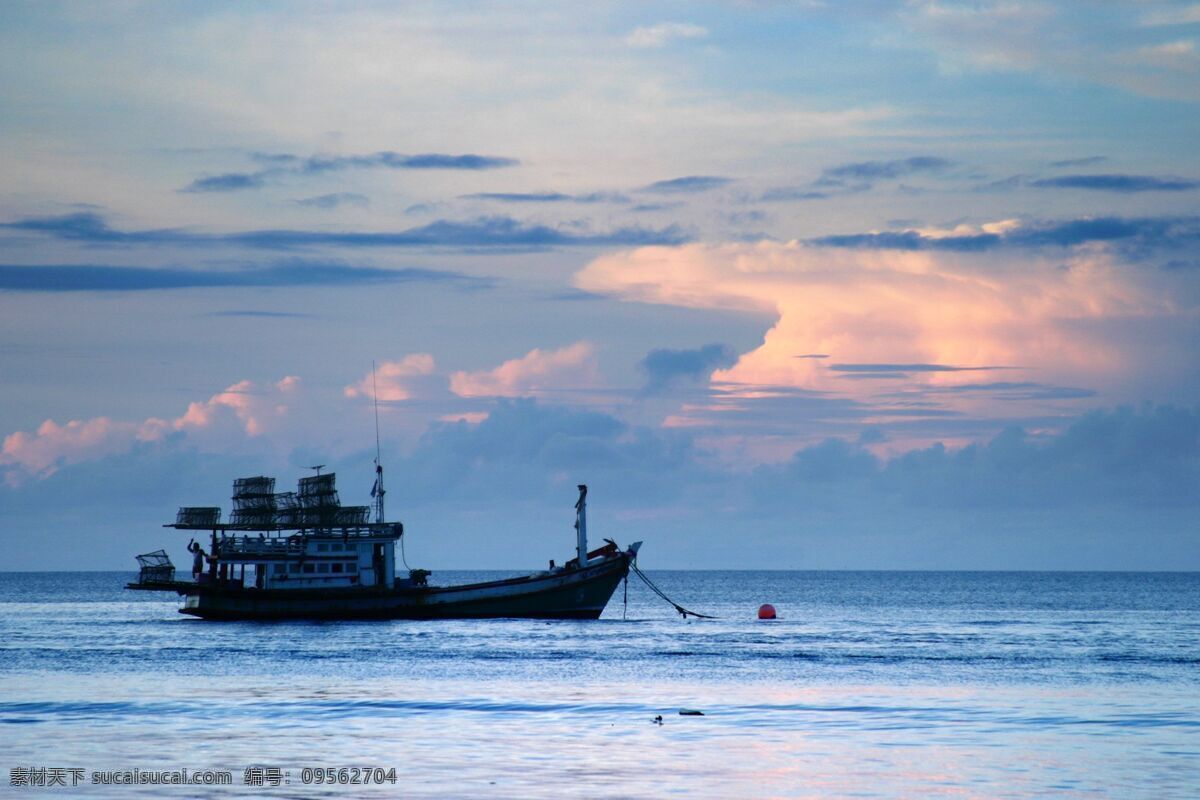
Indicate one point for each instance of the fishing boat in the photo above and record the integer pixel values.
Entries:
(303, 555)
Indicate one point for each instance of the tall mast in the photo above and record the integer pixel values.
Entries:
(581, 526)
(377, 491)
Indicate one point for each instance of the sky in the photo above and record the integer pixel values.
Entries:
(806, 285)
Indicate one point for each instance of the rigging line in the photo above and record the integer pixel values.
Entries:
(625, 605)
(683, 612)
(404, 558)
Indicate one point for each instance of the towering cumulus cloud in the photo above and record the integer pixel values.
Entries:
(899, 328)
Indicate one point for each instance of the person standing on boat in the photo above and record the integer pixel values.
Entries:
(197, 558)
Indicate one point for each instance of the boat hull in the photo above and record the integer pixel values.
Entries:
(575, 594)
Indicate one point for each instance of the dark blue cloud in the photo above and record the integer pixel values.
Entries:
(1147, 458)
(548, 197)
(882, 170)
(1144, 232)
(515, 454)
(277, 164)
(1123, 482)
(92, 228)
(666, 367)
(884, 368)
(106, 278)
(468, 161)
(520, 197)
(651, 207)
(688, 184)
(1125, 184)
(334, 200)
(495, 232)
(229, 182)
(788, 194)
(1014, 390)
(1079, 162)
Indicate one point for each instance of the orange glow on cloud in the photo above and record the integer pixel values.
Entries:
(837, 307)
(392, 378)
(43, 452)
(571, 367)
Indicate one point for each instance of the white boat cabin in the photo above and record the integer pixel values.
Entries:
(321, 560)
(294, 540)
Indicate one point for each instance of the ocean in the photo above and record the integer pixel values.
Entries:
(870, 684)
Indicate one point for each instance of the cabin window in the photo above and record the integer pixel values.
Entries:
(310, 568)
(322, 548)
(280, 569)
(293, 568)
(322, 568)
(351, 567)
(336, 546)
(337, 567)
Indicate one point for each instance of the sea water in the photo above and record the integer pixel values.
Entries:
(870, 684)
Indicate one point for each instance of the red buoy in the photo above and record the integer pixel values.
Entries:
(766, 611)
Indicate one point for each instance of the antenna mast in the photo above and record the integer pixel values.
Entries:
(377, 491)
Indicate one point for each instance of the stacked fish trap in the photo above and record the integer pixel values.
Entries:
(198, 516)
(288, 513)
(253, 502)
(320, 506)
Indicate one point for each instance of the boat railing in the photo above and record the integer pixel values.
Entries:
(253, 545)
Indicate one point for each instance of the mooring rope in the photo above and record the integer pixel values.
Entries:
(683, 612)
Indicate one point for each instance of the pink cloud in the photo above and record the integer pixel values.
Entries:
(41, 453)
(1050, 320)
(394, 379)
(538, 371)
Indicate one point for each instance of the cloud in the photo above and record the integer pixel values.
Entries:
(788, 194)
(229, 182)
(1179, 56)
(285, 164)
(1079, 162)
(858, 176)
(42, 452)
(912, 321)
(883, 368)
(1060, 40)
(502, 232)
(1188, 14)
(1141, 458)
(688, 184)
(880, 170)
(1116, 183)
(548, 197)
(394, 379)
(538, 371)
(520, 197)
(666, 367)
(250, 410)
(1018, 390)
(1144, 232)
(659, 35)
(1115, 485)
(108, 278)
(334, 200)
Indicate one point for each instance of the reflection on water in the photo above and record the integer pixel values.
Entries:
(871, 684)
